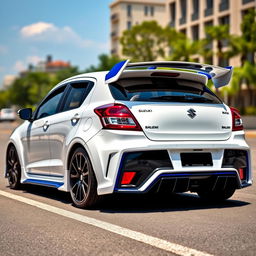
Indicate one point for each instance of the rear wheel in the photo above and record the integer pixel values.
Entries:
(83, 184)
(216, 195)
(13, 168)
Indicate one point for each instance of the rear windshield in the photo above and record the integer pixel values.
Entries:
(162, 89)
(7, 110)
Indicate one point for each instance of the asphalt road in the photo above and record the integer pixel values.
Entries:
(50, 225)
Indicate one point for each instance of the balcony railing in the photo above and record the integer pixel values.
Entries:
(113, 51)
(194, 16)
(182, 20)
(208, 12)
(223, 6)
(114, 17)
(113, 34)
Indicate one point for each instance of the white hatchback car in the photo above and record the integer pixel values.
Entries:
(141, 127)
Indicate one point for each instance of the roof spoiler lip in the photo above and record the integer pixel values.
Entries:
(220, 76)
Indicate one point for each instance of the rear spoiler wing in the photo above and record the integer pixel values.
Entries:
(220, 76)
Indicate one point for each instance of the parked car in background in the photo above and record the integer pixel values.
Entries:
(7, 114)
(139, 128)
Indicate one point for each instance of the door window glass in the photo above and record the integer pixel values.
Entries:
(50, 106)
(76, 96)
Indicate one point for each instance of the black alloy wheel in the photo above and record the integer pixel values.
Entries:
(13, 168)
(83, 184)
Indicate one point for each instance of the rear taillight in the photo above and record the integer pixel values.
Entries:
(117, 116)
(237, 124)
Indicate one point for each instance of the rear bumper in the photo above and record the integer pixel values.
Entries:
(107, 160)
(181, 181)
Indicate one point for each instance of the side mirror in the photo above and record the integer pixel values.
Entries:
(25, 114)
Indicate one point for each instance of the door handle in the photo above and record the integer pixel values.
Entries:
(46, 125)
(75, 118)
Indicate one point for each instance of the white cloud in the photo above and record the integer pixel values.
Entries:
(48, 32)
(36, 29)
(3, 49)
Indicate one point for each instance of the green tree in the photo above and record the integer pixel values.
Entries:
(145, 42)
(221, 35)
(242, 75)
(245, 45)
(184, 49)
(28, 90)
(4, 99)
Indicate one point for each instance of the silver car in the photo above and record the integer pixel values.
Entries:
(7, 114)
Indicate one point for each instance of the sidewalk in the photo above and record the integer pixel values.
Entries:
(250, 133)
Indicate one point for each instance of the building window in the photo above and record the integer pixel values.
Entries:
(195, 14)
(209, 8)
(245, 12)
(195, 33)
(129, 25)
(223, 62)
(224, 5)
(152, 10)
(183, 7)
(113, 51)
(183, 31)
(224, 20)
(172, 14)
(146, 10)
(247, 1)
(129, 10)
(209, 46)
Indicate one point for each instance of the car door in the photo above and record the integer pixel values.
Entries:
(63, 125)
(36, 140)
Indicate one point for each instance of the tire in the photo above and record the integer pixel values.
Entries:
(83, 184)
(216, 195)
(13, 168)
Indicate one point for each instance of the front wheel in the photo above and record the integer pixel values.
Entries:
(216, 195)
(13, 168)
(83, 184)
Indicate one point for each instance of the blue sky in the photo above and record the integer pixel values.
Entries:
(76, 31)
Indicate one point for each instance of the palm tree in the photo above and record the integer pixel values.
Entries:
(184, 49)
(245, 45)
(245, 75)
(220, 34)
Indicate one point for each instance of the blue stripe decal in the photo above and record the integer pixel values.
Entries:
(152, 67)
(229, 67)
(114, 71)
(44, 183)
(206, 74)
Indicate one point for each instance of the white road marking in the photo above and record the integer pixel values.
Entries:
(137, 236)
